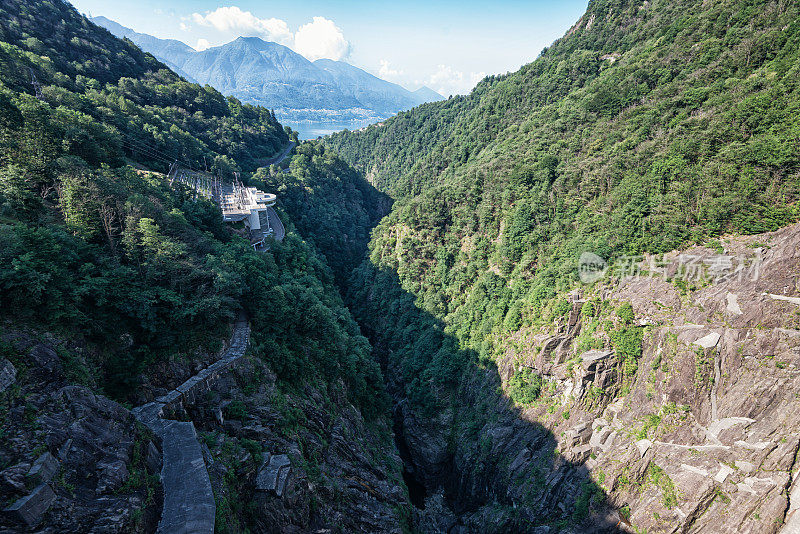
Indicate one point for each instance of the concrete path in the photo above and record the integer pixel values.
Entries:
(188, 498)
(189, 506)
(282, 156)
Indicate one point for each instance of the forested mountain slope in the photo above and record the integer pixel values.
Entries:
(115, 288)
(647, 126)
(108, 97)
(650, 126)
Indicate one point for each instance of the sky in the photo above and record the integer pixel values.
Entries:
(446, 45)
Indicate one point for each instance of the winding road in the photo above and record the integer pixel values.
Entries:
(279, 232)
(282, 156)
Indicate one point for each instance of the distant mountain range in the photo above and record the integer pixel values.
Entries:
(272, 75)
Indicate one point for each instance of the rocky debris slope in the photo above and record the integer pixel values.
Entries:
(188, 498)
(70, 460)
(700, 432)
(238, 453)
(297, 461)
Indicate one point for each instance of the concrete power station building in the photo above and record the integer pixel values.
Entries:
(254, 207)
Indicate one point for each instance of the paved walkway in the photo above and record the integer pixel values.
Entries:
(188, 498)
(189, 506)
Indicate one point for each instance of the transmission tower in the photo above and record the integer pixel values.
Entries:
(37, 88)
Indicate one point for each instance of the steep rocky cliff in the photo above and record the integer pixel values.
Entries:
(697, 432)
(70, 460)
(704, 436)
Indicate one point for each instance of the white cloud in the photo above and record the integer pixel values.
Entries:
(243, 23)
(202, 44)
(321, 38)
(385, 70)
(183, 26)
(445, 78)
(448, 81)
(475, 77)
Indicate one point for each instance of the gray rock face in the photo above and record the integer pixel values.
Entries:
(13, 478)
(273, 474)
(709, 341)
(8, 374)
(111, 476)
(31, 508)
(67, 442)
(726, 354)
(437, 517)
(44, 468)
(427, 443)
(153, 459)
(47, 364)
(709, 411)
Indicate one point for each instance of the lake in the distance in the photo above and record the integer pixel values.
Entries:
(312, 130)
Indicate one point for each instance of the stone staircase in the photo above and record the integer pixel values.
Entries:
(189, 506)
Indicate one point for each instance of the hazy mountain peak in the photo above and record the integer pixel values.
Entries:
(426, 94)
(273, 75)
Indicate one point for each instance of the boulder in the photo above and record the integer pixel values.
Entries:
(723, 473)
(436, 516)
(733, 303)
(31, 508)
(44, 468)
(579, 435)
(709, 341)
(46, 363)
(643, 445)
(152, 459)
(63, 451)
(112, 476)
(273, 474)
(522, 459)
(13, 478)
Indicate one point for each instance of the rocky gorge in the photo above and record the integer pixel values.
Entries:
(699, 438)
(427, 349)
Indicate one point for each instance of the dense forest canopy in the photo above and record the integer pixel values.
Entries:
(649, 125)
(109, 100)
(97, 247)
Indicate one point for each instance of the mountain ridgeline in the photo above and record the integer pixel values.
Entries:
(274, 76)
